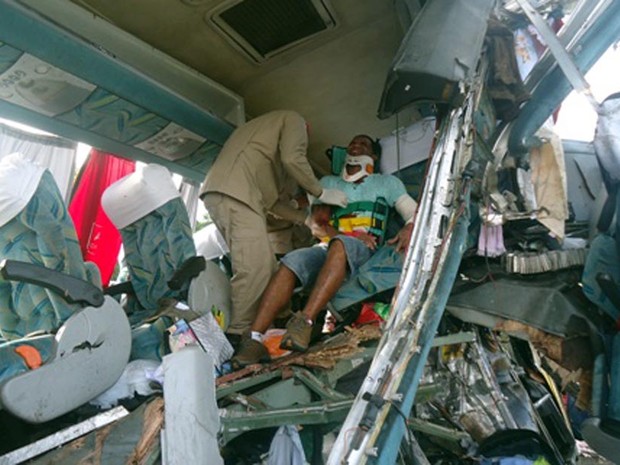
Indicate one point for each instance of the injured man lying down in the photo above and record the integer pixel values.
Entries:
(348, 238)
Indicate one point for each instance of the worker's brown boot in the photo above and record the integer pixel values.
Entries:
(248, 353)
(298, 334)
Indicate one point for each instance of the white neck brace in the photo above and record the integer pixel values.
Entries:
(365, 161)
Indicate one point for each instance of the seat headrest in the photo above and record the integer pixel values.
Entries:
(138, 194)
(19, 179)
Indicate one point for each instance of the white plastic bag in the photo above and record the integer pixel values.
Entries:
(286, 448)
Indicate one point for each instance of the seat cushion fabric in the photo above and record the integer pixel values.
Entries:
(155, 247)
(11, 363)
(43, 234)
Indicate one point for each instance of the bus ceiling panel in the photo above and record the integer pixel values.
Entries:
(144, 58)
(76, 87)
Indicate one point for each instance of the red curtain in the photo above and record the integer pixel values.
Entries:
(99, 240)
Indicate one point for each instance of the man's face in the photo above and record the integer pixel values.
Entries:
(359, 146)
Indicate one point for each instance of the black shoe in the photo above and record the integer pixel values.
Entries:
(234, 339)
(249, 353)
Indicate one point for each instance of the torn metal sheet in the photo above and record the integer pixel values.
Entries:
(62, 437)
(546, 303)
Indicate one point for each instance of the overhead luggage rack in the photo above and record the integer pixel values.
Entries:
(110, 90)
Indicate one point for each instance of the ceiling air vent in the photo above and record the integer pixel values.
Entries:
(264, 28)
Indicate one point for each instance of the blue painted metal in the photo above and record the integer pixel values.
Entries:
(554, 87)
(393, 430)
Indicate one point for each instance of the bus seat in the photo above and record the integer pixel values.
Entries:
(36, 228)
(147, 209)
(45, 287)
(160, 252)
(602, 257)
(601, 279)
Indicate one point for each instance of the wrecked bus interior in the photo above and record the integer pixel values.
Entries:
(492, 339)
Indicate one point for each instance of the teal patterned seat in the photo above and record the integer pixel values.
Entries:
(43, 234)
(54, 355)
(12, 364)
(155, 247)
(148, 211)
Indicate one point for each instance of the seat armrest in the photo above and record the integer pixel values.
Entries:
(190, 268)
(121, 288)
(73, 290)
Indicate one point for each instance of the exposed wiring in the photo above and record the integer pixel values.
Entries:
(410, 438)
(346, 441)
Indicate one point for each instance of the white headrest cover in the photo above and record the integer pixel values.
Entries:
(138, 194)
(19, 179)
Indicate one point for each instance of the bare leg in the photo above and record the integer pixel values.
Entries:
(276, 296)
(329, 280)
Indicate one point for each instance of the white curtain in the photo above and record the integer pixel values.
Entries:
(51, 152)
(189, 193)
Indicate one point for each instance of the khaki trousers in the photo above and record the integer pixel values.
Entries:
(253, 261)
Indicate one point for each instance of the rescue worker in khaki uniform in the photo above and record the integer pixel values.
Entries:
(244, 184)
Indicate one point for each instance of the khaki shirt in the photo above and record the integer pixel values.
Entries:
(259, 159)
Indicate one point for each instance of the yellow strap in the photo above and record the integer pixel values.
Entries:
(354, 224)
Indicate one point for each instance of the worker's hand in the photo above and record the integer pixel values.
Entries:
(320, 231)
(300, 201)
(317, 230)
(402, 238)
(334, 197)
(369, 240)
(310, 222)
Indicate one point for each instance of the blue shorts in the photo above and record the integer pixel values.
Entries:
(307, 262)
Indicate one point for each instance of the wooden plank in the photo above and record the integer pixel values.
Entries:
(133, 440)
